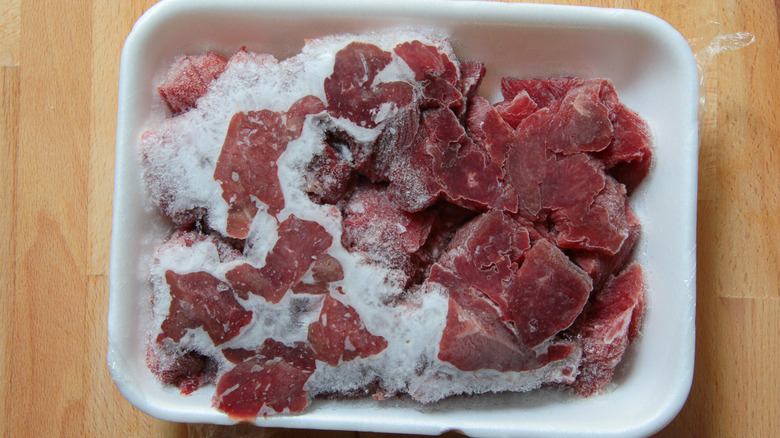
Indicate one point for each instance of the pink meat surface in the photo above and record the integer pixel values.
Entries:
(340, 335)
(270, 381)
(188, 79)
(476, 337)
(201, 300)
(246, 168)
(547, 294)
(300, 243)
(374, 225)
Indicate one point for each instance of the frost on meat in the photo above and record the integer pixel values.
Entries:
(356, 219)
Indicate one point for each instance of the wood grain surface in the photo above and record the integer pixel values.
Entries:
(59, 63)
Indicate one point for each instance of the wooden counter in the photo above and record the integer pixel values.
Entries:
(59, 63)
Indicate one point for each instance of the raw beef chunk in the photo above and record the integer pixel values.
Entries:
(268, 382)
(340, 335)
(607, 327)
(464, 171)
(201, 300)
(188, 79)
(485, 254)
(300, 244)
(352, 94)
(375, 226)
(544, 92)
(547, 294)
(436, 72)
(246, 168)
(187, 371)
(476, 337)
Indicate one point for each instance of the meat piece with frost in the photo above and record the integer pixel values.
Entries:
(600, 226)
(339, 335)
(607, 327)
(412, 185)
(475, 336)
(299, 244)
(270, 381)
(352, 94)
(464, 171)
(471, 74)
(600, 266)
(325, 270)
(487, 129)
(437, 74)
(296, 115)
(547, 294)
(201, 300)
(188, 79)
(543, 91)
(376, 227)
(448, 219)
(485, 253)
(246, 169)
(517, 109)
(328, 176)
(629, 156)
(188, 238)
(187, 371)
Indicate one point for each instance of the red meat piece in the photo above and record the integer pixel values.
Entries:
(448, 219)
(246, 167)
(328, 177)
(599, 226)
(607, 328)
(542, 91)
(484, 254)
(187, 371)
(325, 270)
(268, 382)
(629, 156)
(413, 187)
(487, 129)
(526, 165)
(471, 74)
(601, 266)
(547, 294)
(464, 171)
(298, 111)
(351, 94)
(374, 225)
(427, 62)
(201, 300)
(437, 73)
(475, 337)
(516, 110)
(340, 335)
(300, 243)
(350, 91)
(188, 79)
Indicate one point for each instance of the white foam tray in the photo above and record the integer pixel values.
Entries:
(654, 72)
